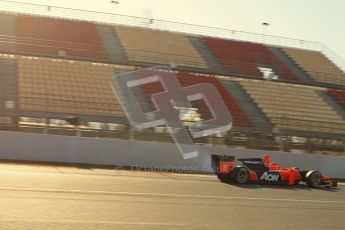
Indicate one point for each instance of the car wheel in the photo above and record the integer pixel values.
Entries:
(241, 175)
(314, 179)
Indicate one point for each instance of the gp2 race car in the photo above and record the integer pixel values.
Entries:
(261, 170)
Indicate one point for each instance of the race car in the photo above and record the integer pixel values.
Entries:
(262, 170)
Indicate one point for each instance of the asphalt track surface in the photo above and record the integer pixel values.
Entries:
(51, 197)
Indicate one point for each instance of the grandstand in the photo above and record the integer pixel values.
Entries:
(8, 89)
(281, 96)
(67, 87)
(339, 95)
(245, 58)
(159, 47)
(317, 66)
(296, 108)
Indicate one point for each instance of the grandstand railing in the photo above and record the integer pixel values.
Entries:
(284, 121)
(111, 18)
(249, 140)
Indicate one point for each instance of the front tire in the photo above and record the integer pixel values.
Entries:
(240, 175)
(314, 179)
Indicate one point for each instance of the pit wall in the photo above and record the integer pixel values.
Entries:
(138, 154)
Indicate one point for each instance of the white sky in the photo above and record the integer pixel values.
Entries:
(314, 20)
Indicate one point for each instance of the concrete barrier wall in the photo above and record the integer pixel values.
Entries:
(66, 149)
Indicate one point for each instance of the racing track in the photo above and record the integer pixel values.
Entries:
(55, 197)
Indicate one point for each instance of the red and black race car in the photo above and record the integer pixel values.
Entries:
(261, 170)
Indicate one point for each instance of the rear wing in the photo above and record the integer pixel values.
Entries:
(224, 158)
(223, 164)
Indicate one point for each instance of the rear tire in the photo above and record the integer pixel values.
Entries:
(314, 179)
(240, 175)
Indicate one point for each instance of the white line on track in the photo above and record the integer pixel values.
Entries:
(94, 222)
(167, 195)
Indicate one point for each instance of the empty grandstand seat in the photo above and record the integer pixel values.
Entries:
(245, 58)
(339, 95)
(58, 37)
(187, 79)
(5, 120)
(67, 87)
(295, 107)
(153, 46)
(317, 65)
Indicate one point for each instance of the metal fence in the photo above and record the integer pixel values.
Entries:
(243, 140)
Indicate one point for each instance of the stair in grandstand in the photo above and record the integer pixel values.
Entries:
(112, 44)
(321, 69)
(8, 86)
(261, 122)
(214, 65)
(302, 76)
(333, 103)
